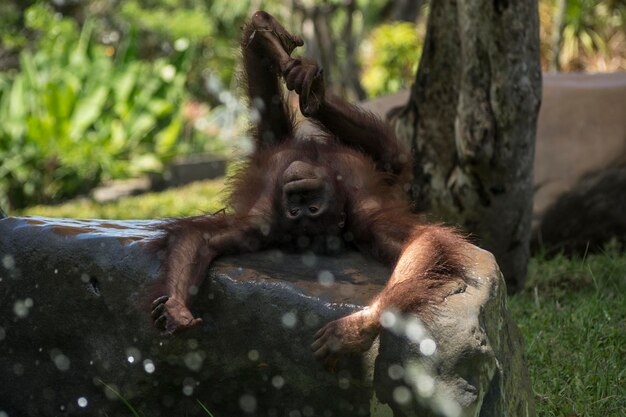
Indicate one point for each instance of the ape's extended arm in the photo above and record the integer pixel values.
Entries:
(191, 245)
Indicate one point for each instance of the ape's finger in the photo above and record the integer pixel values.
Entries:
(290, 80)
(290, 65)
(161, 322)
(157, 311)
(321, 353)
(320, 332)
(319, 341)
(161, 300)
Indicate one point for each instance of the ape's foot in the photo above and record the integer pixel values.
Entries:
(278, 42)
(171, 316)
(354, 333)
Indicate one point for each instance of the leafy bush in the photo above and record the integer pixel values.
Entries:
(390, 56)
(79, 112)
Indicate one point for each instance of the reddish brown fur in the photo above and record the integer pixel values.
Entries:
(364, 168)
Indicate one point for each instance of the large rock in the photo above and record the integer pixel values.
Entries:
(76, 338)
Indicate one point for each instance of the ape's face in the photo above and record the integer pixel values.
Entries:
(310, 201)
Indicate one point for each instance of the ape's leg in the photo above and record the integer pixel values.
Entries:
(429, 269)
(350, 124)
(274, 123)
(191, 244)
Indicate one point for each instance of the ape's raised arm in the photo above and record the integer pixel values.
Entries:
(350, 124)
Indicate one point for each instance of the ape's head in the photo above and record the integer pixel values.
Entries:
(311, 202)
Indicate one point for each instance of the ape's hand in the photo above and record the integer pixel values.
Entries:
(302, 76)
(276, 43)
(307, 79)
(171, 316)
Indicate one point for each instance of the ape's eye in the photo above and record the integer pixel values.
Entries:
(313, 209)
(294, 211)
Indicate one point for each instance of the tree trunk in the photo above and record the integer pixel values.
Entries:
(471, 122)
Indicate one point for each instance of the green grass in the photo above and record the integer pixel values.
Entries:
(572, 313)
(573, 317)
(196, 198)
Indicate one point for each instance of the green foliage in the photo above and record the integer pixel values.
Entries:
(77, 113)
(588, 25)
(213, 29)
(593, 34)
(390, 56)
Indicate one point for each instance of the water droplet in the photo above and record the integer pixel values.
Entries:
(194, 360)
(193, 290)
(21, 307)
(450, 408)
(188, 386)
(253, 355)
(388, 319)
(8, 261)
(133, 354)
(247, 403)
(326, 278)
(148, 366)
(61, 361)
(18, 369)
(111, 390)
(344, 383)
(425, 385)
(289, 320)
(278, 381)
(428, 347)
(84, 278)
(309, 259)
(395, 371)
(414, 330)
(82, 402)
(402, 395)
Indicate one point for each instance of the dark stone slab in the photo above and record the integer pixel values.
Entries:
(75, 335)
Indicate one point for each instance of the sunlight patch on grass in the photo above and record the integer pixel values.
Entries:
(200, 197)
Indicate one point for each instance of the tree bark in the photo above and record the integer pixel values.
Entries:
(471, 122)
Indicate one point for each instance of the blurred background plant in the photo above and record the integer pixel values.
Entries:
(583, 35)
(92, 90)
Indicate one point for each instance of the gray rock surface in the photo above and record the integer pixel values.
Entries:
(76, 337)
